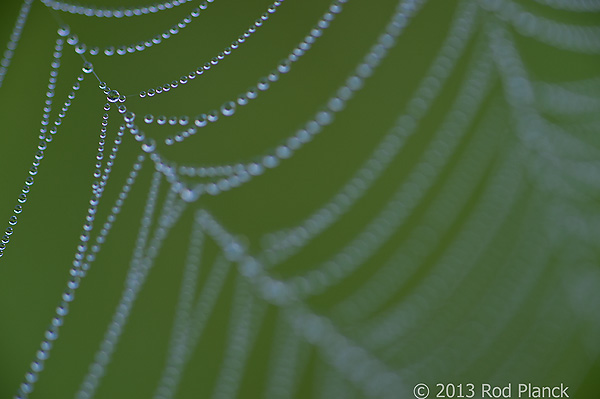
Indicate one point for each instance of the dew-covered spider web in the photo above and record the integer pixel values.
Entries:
(299, 199)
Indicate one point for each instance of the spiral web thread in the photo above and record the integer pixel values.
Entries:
(522, 152)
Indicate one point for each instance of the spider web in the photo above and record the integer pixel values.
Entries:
(293, 200)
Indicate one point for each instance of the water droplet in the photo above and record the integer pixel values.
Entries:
(113, 96)
(64, 30)
(129, 116)
(80, 48)
(252, 93)
(201, 120)
(234, 251)
(228, 108)
(324, 118)
(270, 161)
(212, 189)
(213, 116)
(336, 104)
(242, 99)
(263, 84)
(72, 40)
(87, 67)
(255, 169)
(354, 83)
(149, 118)
(283, 152)
(313, 127)
(148, 145)
(190, 195)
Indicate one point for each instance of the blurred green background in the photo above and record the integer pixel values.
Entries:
(550, 329)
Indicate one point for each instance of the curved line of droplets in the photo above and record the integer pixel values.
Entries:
(15, 36)
(83, 48)
(118, 12)
(227, 109)
(234, 171)
(245, 173)
(325, 116)
(263, 84)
